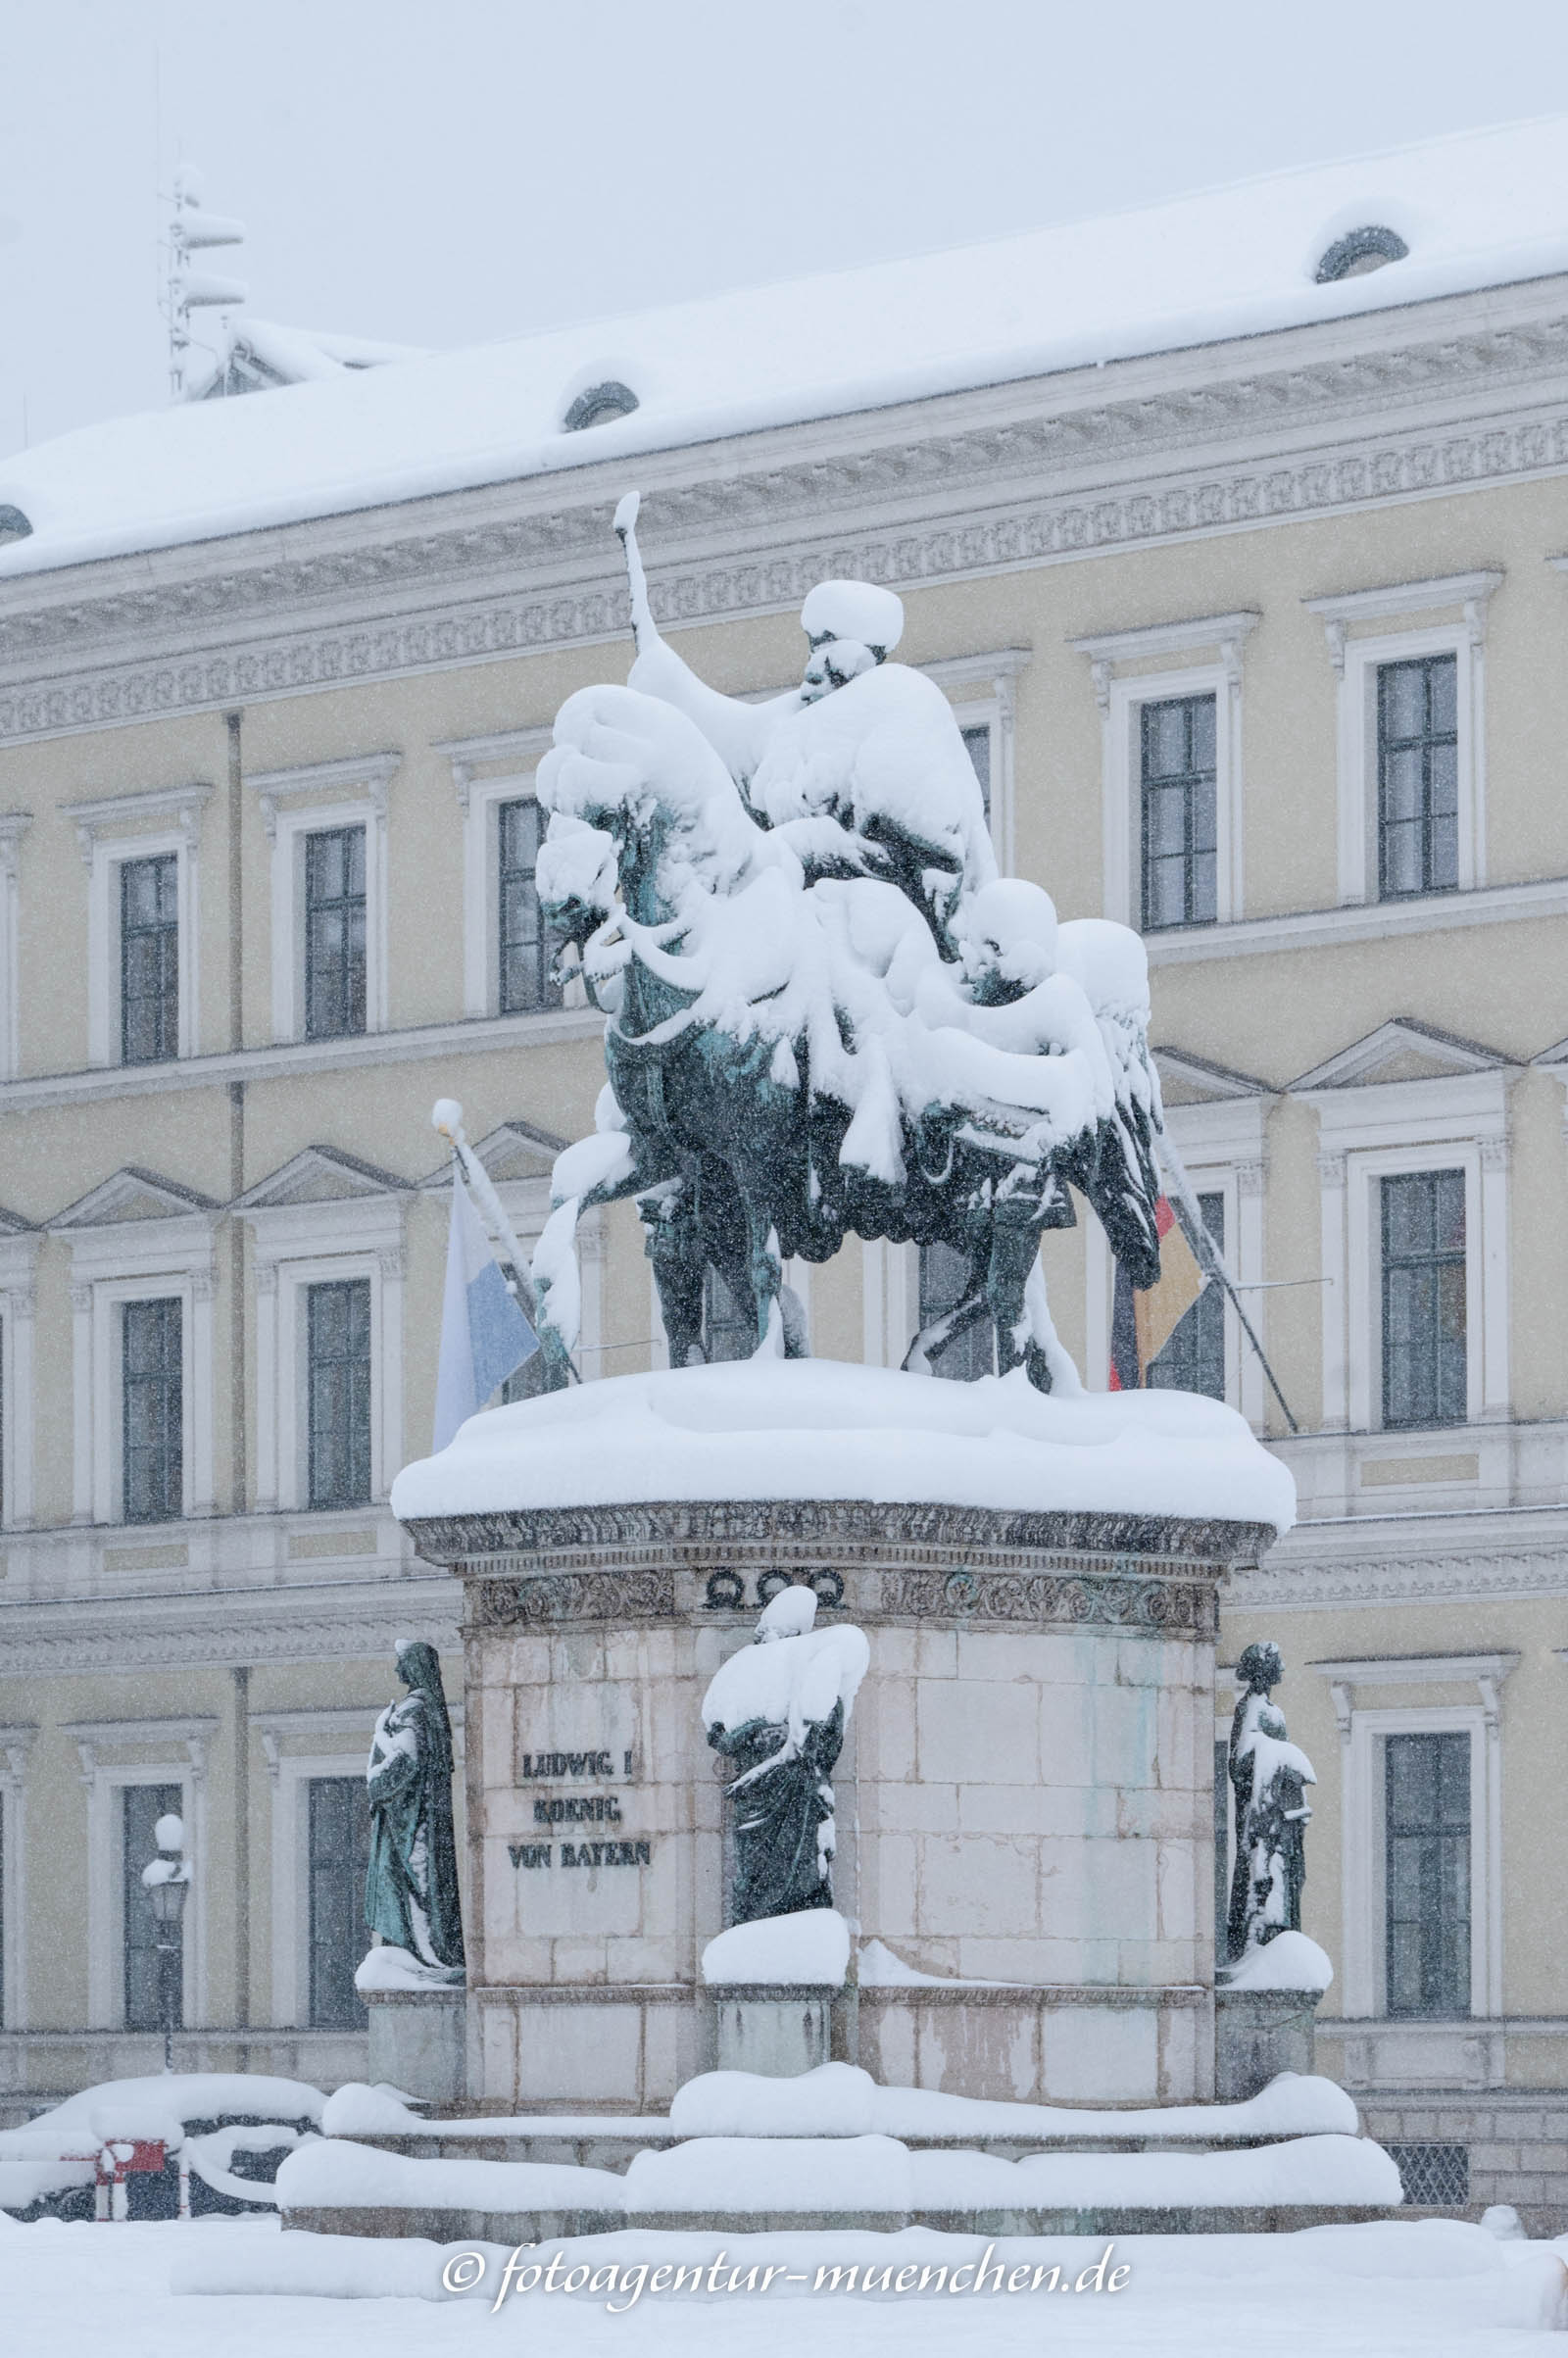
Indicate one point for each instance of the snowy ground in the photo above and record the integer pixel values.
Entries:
(1421, 2286)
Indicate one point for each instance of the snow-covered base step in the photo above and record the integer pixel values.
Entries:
(737, 2184)
(839, 2101)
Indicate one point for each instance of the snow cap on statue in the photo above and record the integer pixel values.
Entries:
(789, 1614)
(854, 609)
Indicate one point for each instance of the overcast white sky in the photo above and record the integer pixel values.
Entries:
(445, 172)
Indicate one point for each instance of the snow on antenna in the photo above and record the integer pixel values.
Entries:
(191, 231)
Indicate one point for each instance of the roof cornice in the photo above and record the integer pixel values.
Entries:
(1345, 415)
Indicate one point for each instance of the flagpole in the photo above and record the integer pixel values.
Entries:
(1210, 1255)
(446, 1119)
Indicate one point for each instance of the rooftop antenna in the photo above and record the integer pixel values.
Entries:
(192, 231)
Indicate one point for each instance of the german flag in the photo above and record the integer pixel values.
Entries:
(1142, 1321)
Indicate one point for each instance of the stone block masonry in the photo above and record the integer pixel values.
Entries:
(1024, 1802)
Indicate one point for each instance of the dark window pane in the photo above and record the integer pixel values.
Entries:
(1427, 1873)
(947, 1277)
(977, 745)
(339, 1363)
(1193, 1359)
(1418, 776)
(141, 1807)
(1424, 1357)
(339, 1855)
(334, 933)
(149, 959)
(526, 946)
(152, 1411)
(1179, 812)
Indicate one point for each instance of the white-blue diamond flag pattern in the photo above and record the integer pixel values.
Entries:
(485, 1335)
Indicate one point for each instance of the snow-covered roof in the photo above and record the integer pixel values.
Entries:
(258, 356)
(1475, 210)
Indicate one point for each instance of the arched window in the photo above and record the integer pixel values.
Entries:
(598, 405)
(1359, 251)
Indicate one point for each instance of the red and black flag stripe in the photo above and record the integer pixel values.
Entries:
(1142, 1319)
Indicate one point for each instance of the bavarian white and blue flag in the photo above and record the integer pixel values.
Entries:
(485, 1335)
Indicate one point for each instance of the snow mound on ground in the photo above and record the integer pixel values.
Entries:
(826, 1429)
(1290, 1961)
(808, 1950)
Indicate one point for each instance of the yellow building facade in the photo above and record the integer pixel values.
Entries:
(1257, 645)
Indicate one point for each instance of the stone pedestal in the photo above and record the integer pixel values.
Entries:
(1259, 2034)
(776, 2029)
(1024, 1799)
(417, 2042)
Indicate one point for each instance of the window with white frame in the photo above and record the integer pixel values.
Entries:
(328, 823)
(332, 881)
(13, 825)
(338, 1371)
(15, 1745)
(338, 1856)
(525, 947)
(141, 1296)
(1177, 812)
(152, 1410)
(1421, 1853)
(149, 959)
(141, 1963)
(125, 1800)
(142, 929)
(1425, 1377)
(1414, 1199)
(1172, 791)
(18, 1302)
(1418, 776)
(503, 952)
(1412, 731)
(1426, 1871)
(329, 1276)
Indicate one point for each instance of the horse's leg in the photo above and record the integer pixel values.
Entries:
(674, 1247)
(765, 1270)
(1015, 1249)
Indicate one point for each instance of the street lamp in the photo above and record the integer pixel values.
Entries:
(166, 1880)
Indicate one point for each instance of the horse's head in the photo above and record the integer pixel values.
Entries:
(641, 773)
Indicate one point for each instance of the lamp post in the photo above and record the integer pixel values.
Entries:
(166, 1880)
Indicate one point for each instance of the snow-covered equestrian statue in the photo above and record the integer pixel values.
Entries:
(827, 1014)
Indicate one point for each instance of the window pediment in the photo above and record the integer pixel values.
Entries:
(132, 1194)
(1402, 1049)
(319, 1175)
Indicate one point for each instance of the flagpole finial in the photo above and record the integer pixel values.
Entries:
(446, 1115)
